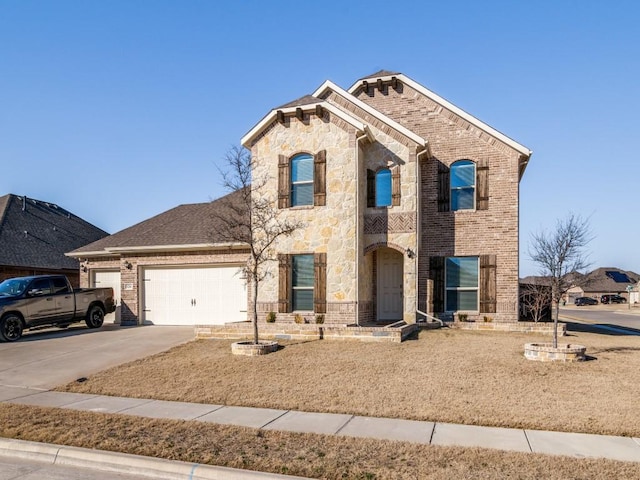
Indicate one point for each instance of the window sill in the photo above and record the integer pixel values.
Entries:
(302, 207)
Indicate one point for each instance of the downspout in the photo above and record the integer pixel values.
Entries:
(419, 229)
(358, 235)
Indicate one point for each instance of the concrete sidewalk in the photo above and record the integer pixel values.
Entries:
(429, 433)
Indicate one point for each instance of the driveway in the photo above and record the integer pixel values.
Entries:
(48, 358)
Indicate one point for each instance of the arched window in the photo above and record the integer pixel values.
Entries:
(302, 180)
(463, 185)
(383, 188)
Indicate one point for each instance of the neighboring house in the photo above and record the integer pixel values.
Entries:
(535, 297)
(409, 204)
(603, 281)
(34, 236)
(171, 269)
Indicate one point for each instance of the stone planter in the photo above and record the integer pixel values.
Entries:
(544, 352)
(251, 349)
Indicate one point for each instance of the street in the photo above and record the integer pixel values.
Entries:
(17, 469)
(604, 317)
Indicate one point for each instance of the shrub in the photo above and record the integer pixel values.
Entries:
(462, 317)
(320, 318)
(271, 317)
(298, 318)
(488, 319)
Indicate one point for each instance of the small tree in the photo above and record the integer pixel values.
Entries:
(559, 253)
(536, 300)
(249, 215)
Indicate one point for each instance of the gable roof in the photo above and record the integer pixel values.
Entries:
(305, 103)
(387, 76)
(185, 227)
(329, 85)
(37, 234)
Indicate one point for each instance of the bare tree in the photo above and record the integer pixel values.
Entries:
(558, 253)
(535, 299)
(250, 215)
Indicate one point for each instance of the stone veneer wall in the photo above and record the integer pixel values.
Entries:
(330, 228)
(244, 330)
(493, 231)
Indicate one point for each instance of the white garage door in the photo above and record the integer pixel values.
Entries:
(109, 278)
(193, 296)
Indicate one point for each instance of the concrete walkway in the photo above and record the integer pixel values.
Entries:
(428, 433)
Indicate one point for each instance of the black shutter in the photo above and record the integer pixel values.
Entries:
(436, 275)
(443, 187)
(371, 188)
(320, 283)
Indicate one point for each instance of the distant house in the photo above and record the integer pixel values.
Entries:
(34, 236)
(535, 298)
(603, 281)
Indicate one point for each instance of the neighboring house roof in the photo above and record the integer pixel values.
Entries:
(37, 234)
(535, 280)
(185, 227)
(608, 279)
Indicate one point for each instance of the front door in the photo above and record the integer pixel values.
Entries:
(390, 281)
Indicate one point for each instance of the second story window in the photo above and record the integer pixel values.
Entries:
(383, 188)
(302, 180)
(463, 185)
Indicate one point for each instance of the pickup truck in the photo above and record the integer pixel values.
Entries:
(49, 300)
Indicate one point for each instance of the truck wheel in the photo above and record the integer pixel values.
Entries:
(10, 328)
(95, 317)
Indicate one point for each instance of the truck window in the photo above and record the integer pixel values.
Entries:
(41, 285)
(60, 285)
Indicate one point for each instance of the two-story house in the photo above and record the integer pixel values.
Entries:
(409, 204)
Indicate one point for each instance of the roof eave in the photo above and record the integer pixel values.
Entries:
(255, 131)
(116, 251)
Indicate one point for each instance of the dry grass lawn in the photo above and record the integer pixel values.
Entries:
(315, 456)
(444, 375)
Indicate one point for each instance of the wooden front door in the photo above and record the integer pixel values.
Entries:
(390, 279)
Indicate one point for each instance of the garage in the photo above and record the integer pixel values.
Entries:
(109, 278)
(204, 295)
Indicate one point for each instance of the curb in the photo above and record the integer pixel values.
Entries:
(126, 463)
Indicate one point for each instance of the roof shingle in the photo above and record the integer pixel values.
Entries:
(37, 234)
(190, 224)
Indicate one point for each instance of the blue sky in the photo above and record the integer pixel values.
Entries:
(119, 110)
